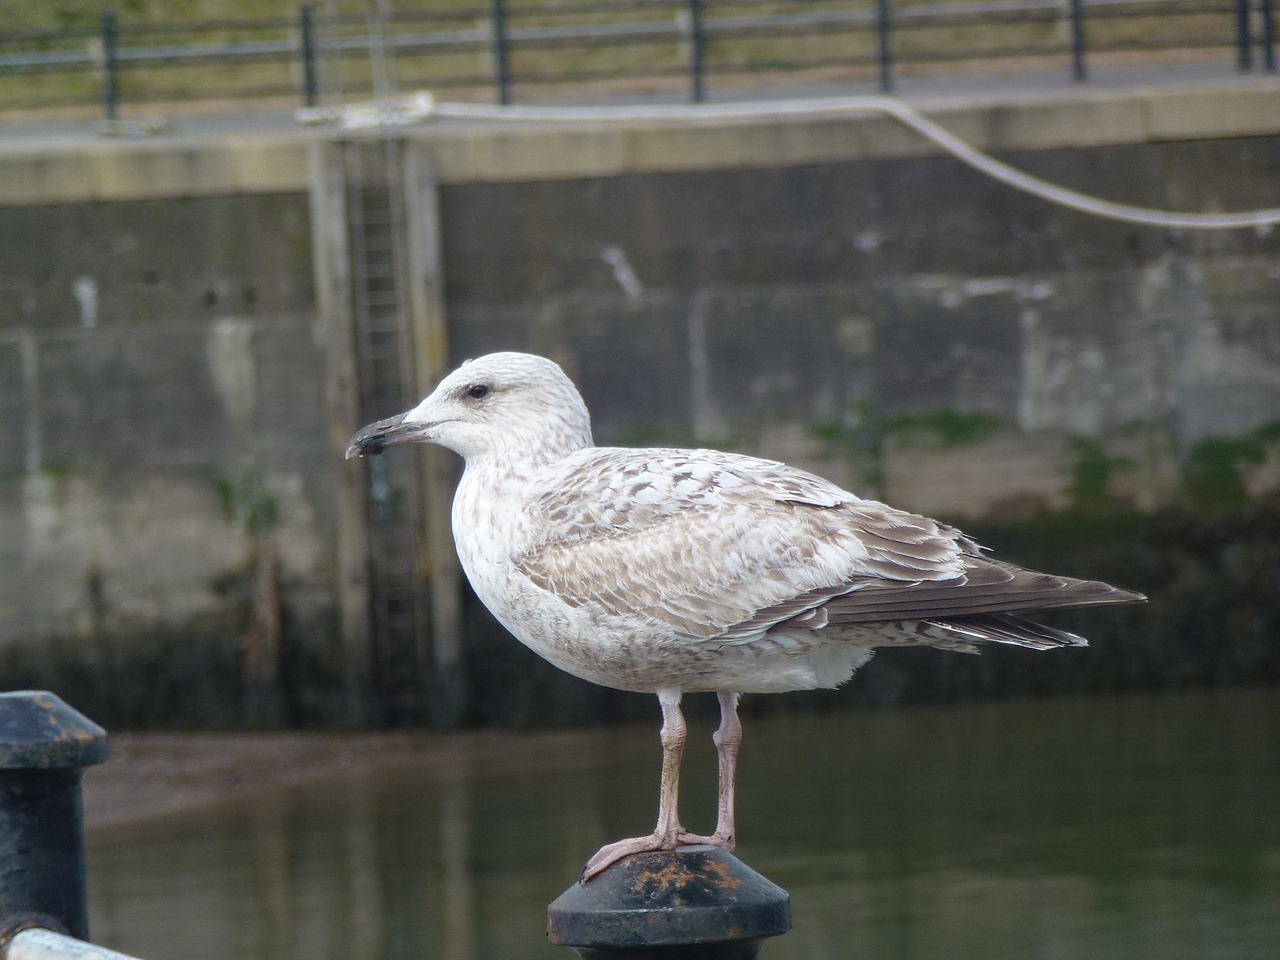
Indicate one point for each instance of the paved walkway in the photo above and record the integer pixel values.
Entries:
(923, 92)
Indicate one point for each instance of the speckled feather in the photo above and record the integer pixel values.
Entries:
(685, 570)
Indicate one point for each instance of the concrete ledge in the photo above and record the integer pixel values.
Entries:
(157, 169)
(782, 133)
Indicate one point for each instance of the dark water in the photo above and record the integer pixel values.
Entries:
(1143, 827)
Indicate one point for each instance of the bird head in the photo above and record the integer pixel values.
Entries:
(515, 404)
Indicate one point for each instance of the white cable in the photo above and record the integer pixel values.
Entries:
(899, 111)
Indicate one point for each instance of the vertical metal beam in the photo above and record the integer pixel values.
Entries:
(431, 350)
(1244, 36)
(697, 51)
(1079, 72)
(884, 44)
(110, 65)
(331, 259)
(307, 51)
(1268, 38)
(498, 37)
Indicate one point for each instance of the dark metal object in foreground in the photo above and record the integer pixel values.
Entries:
(44, 748)
(696, 903)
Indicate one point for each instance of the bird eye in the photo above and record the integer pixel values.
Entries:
(478, 391)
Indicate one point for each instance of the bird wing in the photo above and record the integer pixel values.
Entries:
(711, 545)
(987, 587)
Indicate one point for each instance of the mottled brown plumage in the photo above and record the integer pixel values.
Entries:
(676, 571)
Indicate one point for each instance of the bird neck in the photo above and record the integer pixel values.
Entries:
(519, 455)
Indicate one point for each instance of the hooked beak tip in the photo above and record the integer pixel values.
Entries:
(371, 440)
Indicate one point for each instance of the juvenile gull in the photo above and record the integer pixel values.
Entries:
(680, 571)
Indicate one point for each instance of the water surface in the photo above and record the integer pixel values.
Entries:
(1140, 827)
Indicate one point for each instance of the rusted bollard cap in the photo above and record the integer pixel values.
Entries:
(39, 731)
(694, 895)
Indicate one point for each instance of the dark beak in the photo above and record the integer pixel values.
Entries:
(372, 440)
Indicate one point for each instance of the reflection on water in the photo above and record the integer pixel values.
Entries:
(1143, 827)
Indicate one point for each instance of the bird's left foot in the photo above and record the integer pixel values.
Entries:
(611, 853)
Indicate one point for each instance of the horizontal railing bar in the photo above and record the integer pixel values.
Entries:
(578, 76)
(230, 51)
(461, 39)
(53, 60)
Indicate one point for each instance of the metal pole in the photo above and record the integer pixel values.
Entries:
(1244, 36)
(44, 748)
(884, 44)
(1078, 70)
(697, 40)
(695, 902)
(501, 67)
(1268, 39)
(307, 36)
(110, 66)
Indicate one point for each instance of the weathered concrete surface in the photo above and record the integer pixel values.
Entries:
(912, 284)
(158, 368)
(781, 133)
(797, 287)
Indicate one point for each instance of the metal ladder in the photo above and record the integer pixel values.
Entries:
(399, 602)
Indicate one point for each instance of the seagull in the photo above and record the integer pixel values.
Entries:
(672, 571)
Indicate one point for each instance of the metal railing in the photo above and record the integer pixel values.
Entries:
(626, 48)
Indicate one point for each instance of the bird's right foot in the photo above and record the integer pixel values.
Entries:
(611, 853)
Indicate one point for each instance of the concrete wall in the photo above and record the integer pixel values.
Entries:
(812, 311)
(809, 287)
(159, 376)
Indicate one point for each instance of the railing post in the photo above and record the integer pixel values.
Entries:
(501, 66)
(1244, 36)
(307, 51)
(1078, 70)
(110, 66)
(44, 748)
(697, 41)
(695, 902)
(884, 44)
(1268, 38)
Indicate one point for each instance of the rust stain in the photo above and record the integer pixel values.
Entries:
(670, 875)
(723, 877)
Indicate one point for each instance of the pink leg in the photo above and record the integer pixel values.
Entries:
(727, 738)
(668, 831)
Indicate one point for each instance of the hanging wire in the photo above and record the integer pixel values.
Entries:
(962, 151)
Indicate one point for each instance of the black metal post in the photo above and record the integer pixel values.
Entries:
(1268, 39)
(697, 44)
(1244, 36)
(44, 748)
(884, 44)
(1078, 70)
(110, 66)
(501, 63)
(696, 903)
(307, 50)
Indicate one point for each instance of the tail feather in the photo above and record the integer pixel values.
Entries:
(1009, 629)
